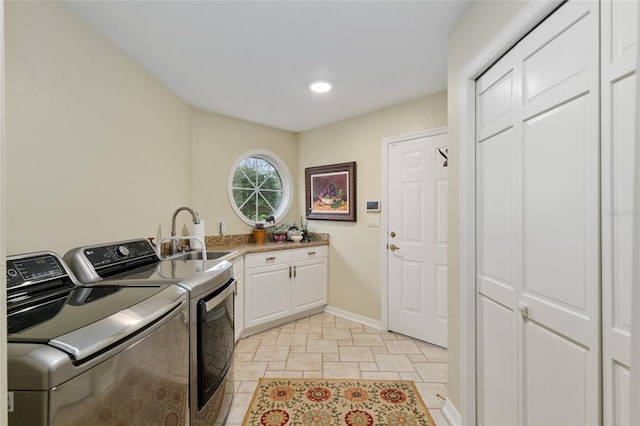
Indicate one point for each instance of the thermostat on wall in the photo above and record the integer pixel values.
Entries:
(373, 206)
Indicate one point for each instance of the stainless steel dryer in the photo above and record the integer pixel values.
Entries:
(211, 323)
(81, 355)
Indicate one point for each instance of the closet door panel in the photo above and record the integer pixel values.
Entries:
(560, 371)
(619, 33)
(497, 354)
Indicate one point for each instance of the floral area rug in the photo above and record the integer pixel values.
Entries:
(336, 402)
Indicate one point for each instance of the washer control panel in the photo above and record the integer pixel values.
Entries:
(112, 254)
(32, 269)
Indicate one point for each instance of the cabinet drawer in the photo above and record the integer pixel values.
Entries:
(267, 258)
(308, 253)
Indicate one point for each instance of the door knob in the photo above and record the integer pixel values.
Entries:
(524, 309)
(393, 247)
(392, 234)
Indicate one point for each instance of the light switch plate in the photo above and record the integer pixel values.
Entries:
(373, 221)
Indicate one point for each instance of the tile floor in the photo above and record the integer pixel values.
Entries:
(326, 346)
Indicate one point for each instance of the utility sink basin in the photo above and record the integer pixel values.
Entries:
(197, 255)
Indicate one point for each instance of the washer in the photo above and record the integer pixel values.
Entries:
(80, 355)
(211, 289)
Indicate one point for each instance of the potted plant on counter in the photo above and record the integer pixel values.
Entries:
(279, 232)
(259, 230)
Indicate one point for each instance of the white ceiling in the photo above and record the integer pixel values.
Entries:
(253, 59)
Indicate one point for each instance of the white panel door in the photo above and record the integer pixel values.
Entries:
(417, 261)
(538, 276)
(619, 35)
(498, 264)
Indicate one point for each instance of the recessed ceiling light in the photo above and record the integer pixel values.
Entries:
(320, 86)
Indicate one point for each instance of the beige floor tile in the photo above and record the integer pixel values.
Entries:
(381, 375)
(341, 370)
(288, 328)
(268, 341)
(336, 333)
(276, 365)
(434, 354)
(362, 339)
(393, 362)
(243, 356)
(322, 346)
(417, 358)
(298, 349)
(429, 393)
(379, 349)
(345, 342)
(308, 327)
(267, 334)
(239, 408)
(356, 353)
(358, 329)
(388, 336)
(438, 418)
(247, 387)
(330, 357)
(248, 370)
(292, 339)
(432, 371)
(314, 336)
(369, 329)
(312, 374)
(304, 362)
(402, 347)
(246, 345)
(271, 353)
(343, 322)
(409, 375)
(284, 374)
(368, 366)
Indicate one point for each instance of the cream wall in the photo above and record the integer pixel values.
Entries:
(218, 141)
(473, 32)
(355, 249)
(96, 148)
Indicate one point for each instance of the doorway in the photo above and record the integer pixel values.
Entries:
(415, 235)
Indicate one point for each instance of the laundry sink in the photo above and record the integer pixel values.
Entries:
(197, 255)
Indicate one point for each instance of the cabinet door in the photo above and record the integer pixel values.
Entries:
(309, 284)
(267, 295)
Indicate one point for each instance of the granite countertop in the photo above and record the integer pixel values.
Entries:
(239, 245)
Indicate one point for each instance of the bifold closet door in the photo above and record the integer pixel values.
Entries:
(538, 206)
(619, 37)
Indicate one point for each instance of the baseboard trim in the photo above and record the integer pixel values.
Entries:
(353, 317)
(451, 414)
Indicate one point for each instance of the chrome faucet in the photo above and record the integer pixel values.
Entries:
(196, 220)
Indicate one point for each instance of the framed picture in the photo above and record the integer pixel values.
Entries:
(330, 192)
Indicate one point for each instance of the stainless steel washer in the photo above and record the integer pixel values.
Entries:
(211, 323)
(93, 355)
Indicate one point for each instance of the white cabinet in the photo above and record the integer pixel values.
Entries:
(238, 305)
(280, 284)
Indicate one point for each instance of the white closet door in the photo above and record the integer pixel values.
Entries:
(538, 226)
(619, 37)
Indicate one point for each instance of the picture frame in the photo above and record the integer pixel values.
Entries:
(330, 192)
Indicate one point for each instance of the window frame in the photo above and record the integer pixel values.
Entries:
(285, 176)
